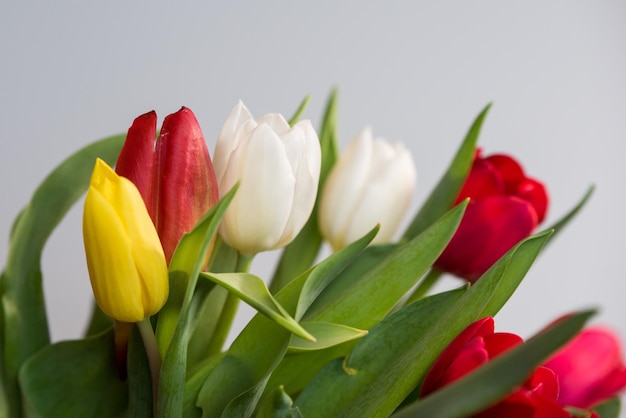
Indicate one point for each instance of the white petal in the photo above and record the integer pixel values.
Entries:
(227, 139)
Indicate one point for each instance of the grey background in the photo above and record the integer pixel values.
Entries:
(73, 72)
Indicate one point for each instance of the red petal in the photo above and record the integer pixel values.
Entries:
(500, 342)
(185, 183)
(535, 193)
(483, 181)
(433, 378)
(490, 227)
(136, 160)
(509, 169)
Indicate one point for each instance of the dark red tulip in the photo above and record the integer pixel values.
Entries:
(505, 207)
(590, 368)
(477, 345)
(173, 173)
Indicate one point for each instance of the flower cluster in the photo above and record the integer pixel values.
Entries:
(170, 235)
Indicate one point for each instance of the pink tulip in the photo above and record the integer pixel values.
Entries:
(590, 368)
(174, 174)
(477, 345)
(505, 207)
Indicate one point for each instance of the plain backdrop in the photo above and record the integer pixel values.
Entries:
(418, 72)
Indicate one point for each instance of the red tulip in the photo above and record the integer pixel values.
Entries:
(590, 368)
(174, 174)
(477, 345)
(505, 207)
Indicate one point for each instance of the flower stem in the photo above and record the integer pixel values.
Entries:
(154, 357)
(424, 286)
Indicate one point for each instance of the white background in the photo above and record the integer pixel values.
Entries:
(73, 72)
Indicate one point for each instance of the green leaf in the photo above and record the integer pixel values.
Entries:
(252, 290)
(518, 265)
(446, 191)
(296, 116)
(25, 326)
(139, 379)
(372, 297)
(354, 387)
(499, 377)
(609, 408)
(74, 379)
(184, 268)
(301, 253)
(326, 334)
(279, 406)
(242, 373)
(388, 363)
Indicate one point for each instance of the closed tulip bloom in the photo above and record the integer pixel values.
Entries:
(277, 168)
(477, 345)
(590, 368)
(173, 173)
(125, 259)
(372, 183)
(505, 207)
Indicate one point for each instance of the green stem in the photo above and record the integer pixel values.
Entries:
(425, 285)
(154, 357)
(229, 310)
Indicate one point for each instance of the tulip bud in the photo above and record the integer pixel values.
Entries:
(477, 345)
(125, 259)
(590, 368)
(174, 175)
(372, 183)
(505, 207)
(278, 169)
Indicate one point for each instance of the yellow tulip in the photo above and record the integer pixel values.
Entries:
(125, 258)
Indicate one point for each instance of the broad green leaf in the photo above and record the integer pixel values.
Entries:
(371, 257)
(446, 191)
(395, 348)
(296, 116)
(24, 323)
(609, 409)
(301, 253)
(517, 267)
(398, 364)
(324, 275)
(139, 379)
(184, 268)
(242, 373)
(372, 297)
(252, 290)
(499, 377)
(74, 379)
(280, 405)
(326, 335)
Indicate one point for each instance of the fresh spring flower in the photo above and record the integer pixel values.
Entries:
(478, 344)
(590, 368)
(174, 174)
(372, 183)
(277, 167)
(505, 207)
(125, 259)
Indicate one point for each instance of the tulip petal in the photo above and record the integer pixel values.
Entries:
(227, 140)
(304, 155)
(114, 279)
(136, 160)
(185, 182)
(259, 211)
(490, 228)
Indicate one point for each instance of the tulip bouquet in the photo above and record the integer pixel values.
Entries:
(169, 237)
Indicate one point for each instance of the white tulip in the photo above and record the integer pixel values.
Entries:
(372, 183)
(278, 169)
